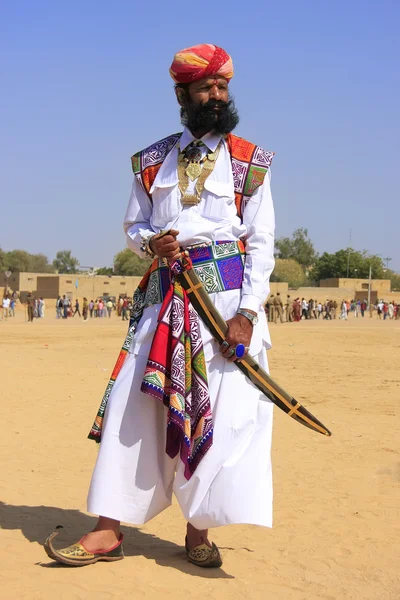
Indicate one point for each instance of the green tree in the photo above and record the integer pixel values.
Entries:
(3, 266)
(105, 271)
(127, 262)
(394, 280)
(65, 262)
(355, 262)
(299, 247)
(40, 264)
(17, 261)
(289, 270)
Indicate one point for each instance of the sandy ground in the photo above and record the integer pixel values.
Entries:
(337, 500)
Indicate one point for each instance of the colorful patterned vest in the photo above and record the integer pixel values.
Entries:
(250, 164)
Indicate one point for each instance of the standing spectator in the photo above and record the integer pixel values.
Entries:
(66, 304)
(385, 310)
(304, 308)
(334, 309)
(29, 306)
(379, 309)
(109, 307)
(91, 308)
(119, 306)
(12, 306)
(76, 308)
(319, 309)
(371, 309)
(278, 308)
(363, 307)
(41, 308)
(343, 314)
(5, 307)
(124, 310)
(35, 307)
(297, 310)
(271, 312)
(288, 310)
(85, 309)
(391, 310)
(96, 308)
(59, 307)
(100, 307)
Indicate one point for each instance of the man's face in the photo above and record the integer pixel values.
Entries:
(206, 106)
(210, 88)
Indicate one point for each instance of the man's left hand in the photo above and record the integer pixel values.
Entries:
(239, 331)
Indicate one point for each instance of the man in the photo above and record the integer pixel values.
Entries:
(66, 303)
(288, 309)
(30, 302)
(278, 308)
(271, 312)
(77, 308)
(210, 192)
(5, 307)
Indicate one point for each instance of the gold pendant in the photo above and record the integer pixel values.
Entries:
(189, 200)
(193, 170)
(211, 156)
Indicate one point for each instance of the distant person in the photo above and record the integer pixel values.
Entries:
(343, 314)
(5, 307)
(100, 306)
(363, 308)
(85, 309)
(109, 307)
(77, 308)
(35, 307)
(30, 307)
(271, 307)
(288, 309)
(391, 311)
(119, 306)
(12, 306)
(59, 307)
(66, 304)
(304, 308)
(96, 308)
(91, 308)
(41, 306)
(379, 310)
(278, 308)
(124, 310)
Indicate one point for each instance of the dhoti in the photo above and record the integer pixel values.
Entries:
(134, 478)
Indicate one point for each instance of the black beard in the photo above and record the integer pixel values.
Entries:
(203, 118)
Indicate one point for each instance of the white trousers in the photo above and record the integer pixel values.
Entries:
(134, 478)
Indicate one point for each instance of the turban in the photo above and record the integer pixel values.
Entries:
(197, 62)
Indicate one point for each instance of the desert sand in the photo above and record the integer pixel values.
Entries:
(336, 533)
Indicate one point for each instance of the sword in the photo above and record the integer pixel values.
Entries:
(218, 328)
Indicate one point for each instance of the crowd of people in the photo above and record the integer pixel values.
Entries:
(300, 309)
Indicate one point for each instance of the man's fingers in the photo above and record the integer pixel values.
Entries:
(174, 232)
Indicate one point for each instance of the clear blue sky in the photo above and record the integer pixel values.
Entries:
(85, 85)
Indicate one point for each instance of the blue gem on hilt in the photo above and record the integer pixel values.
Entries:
(240, 350)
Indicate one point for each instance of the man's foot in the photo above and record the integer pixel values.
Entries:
(78, 555)
(199, 550)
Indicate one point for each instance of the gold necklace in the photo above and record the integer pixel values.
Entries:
(193, 165)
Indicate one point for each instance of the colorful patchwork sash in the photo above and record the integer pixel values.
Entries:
(176, 370)
(250, 164)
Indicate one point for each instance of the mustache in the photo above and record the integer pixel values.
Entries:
(204, 117)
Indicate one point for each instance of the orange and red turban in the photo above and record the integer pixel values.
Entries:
(197, 62)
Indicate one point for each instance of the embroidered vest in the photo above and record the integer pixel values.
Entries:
(250, 164)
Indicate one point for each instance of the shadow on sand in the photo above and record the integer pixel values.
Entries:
(37, 522)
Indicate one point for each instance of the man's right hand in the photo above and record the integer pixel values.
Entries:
(166, 246)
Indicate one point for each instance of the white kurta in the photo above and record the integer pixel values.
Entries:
(134, 478)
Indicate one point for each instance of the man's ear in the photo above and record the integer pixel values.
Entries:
(180, 95)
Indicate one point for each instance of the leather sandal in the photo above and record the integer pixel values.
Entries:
(204, 556)
(76, 555)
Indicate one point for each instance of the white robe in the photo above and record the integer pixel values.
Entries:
(134, 478)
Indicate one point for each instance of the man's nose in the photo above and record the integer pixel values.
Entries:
(215, 93)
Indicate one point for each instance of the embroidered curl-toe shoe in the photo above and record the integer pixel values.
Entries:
(204, 556)
(77, 555)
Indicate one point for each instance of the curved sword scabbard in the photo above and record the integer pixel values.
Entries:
(260, 378)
